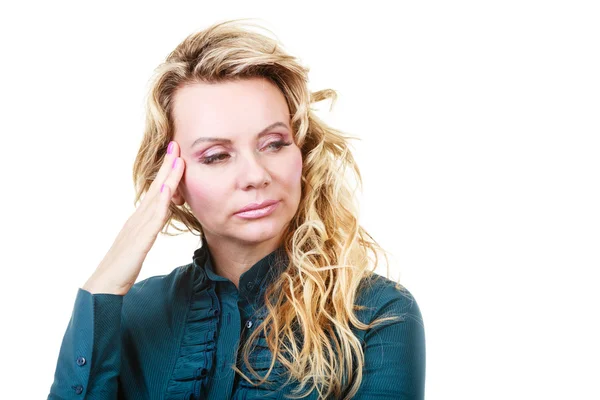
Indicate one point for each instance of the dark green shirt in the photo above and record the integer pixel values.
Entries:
(176, 336)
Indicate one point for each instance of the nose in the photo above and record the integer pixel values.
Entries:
(252, 173)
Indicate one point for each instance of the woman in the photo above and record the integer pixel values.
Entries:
(281, 299)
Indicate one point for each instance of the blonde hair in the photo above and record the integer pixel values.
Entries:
(329, 253)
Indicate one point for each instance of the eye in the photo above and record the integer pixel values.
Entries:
(212, 159)
(216, 158)
(278, 144)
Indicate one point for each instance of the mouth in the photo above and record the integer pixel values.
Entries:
(253, 211)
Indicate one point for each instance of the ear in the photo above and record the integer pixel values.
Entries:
(177, 198)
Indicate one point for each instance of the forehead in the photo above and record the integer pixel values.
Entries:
(227, 109)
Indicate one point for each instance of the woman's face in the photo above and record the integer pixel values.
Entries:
(237, 144)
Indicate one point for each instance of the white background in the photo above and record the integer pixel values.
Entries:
(480, 158)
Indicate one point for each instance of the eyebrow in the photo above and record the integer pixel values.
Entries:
(228, 141)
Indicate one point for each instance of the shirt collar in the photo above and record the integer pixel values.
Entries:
(254, 280)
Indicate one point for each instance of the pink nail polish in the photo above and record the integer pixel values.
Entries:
(174, 163)
(162, 187)
(170, 148)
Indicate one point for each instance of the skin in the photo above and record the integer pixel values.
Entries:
(250, 169)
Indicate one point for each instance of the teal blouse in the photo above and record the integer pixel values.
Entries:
(176, 336)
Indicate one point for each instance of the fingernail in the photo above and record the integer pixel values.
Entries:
(174, 163)
(170, 148)
(162, 187)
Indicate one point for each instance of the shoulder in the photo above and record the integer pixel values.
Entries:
(160, 286)
(382, 297)
(158, 301)
(394, 349)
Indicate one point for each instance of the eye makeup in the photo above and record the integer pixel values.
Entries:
(218, 157)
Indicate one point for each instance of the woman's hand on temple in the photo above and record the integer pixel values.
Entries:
(121, 266)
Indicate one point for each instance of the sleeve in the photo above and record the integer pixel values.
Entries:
(89, 360)
(394, 350)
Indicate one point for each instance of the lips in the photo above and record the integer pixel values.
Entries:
(257, 206)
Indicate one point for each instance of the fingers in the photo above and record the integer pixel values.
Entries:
(167, 169)
(174, 177)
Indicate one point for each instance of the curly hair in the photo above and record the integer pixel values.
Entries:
(329, 253)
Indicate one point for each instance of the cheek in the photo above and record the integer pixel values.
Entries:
(197, 192)
(203, 196)
(294, 171)
(298, 169)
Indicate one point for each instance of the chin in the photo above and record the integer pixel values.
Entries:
(258, 231)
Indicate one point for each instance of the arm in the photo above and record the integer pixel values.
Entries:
(394, 350)
(89, 360)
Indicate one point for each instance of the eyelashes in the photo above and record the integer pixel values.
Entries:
(217, 158)
(212, 159)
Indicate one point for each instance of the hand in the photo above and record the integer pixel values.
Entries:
(121, 266)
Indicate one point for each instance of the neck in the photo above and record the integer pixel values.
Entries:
(231, 259)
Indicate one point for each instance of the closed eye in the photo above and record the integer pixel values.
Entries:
(278, 144)
(215, 158)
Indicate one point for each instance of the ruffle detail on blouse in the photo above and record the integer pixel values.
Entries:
(198, 345)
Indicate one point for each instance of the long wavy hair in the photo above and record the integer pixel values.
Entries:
(310, 305)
